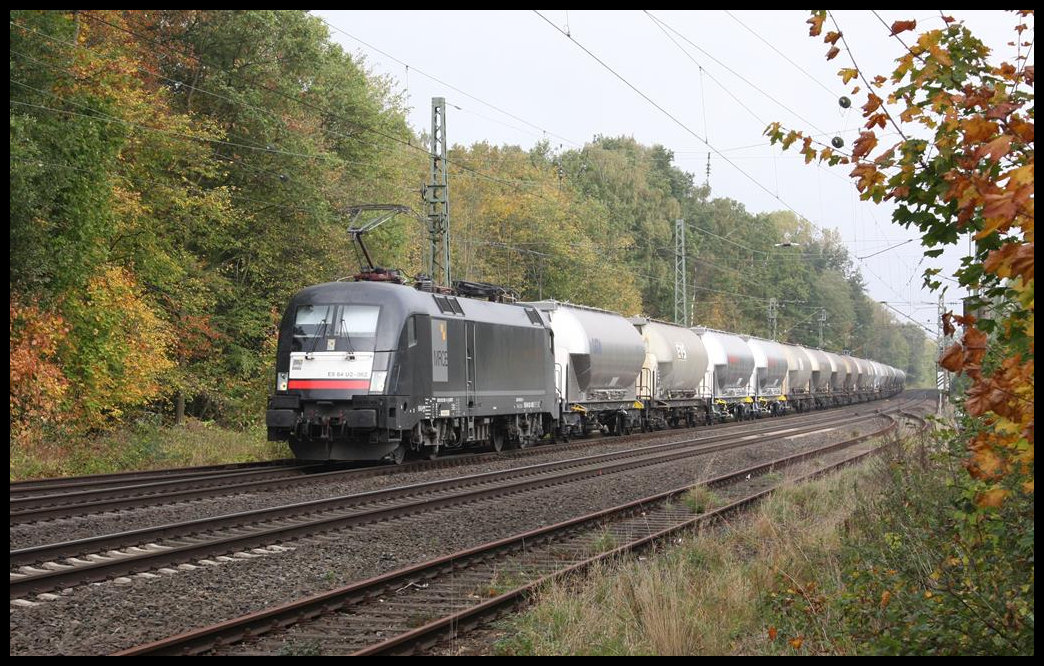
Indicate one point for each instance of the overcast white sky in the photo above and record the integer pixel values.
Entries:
(696, 82)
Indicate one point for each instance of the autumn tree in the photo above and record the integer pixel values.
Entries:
(175, 176)
(962, 167)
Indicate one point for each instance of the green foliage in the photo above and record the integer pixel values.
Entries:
(118, 351)
(921, 572)
(176, 175)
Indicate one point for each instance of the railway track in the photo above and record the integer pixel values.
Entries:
(407, 610)
(45, 568)
(52, 499)
(117, 479)
(149, 600)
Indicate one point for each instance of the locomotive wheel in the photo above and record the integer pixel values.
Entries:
(398, 455)
(499, 440)
(431, 452)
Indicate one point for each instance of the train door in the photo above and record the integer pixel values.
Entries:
(470, 375)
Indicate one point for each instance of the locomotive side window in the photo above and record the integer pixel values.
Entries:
(411, 331)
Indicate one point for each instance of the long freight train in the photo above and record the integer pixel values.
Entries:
(373, 370)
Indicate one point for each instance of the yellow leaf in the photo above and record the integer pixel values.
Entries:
(908, 114)
(1022, 176)
(941, 55)
(848, 74)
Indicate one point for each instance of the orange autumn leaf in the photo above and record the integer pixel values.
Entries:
(864, 144)
(978, 129)
(817, 24)
(995, 149)
(796, 642)
(984, 398)
(1012, 259)
(878, 119)
(873, 102)
(902, 26)
(992, 498)
(772, 633)
(953, 359)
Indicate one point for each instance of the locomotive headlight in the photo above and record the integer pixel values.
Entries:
(377, 381)
(281, 381)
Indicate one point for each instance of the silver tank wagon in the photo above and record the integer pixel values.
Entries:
(675, 359)
(771, 364)
(598, 357)
(729, 371)
(799, 371)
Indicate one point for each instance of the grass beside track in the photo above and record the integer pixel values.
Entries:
(873, 560)
(143, 447)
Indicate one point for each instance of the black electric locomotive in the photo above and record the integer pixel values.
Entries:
(370, 371)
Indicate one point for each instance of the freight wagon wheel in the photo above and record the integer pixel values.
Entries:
(622, 425)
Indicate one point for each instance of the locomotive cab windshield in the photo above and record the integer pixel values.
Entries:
(349, 328)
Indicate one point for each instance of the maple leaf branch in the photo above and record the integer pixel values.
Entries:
(862, 77)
